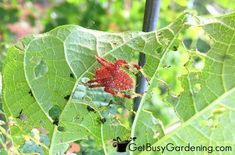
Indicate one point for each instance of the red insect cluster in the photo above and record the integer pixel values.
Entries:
(114, 79)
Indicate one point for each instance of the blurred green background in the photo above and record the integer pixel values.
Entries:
(19, 18)
(22, 17)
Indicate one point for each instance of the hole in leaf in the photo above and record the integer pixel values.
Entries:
(61, 128)
(22, 116)
(85, 80)
(31, 147)
(73, 149)
(35, 133)
(71, 75)
(41, 69)
(196, 87)
(214, 119)
(188, 42)
(202, 46)
(56, 121)
(159, 50)
(80, 92)
(67, 97)
(156, 135)
(213, 122)
(90, 109)
(102, 120)
(163, 88)
(31, 93)
(54, 113)
(44, 139)
(198, 63)
(76, 118)
(43, 130)
(175, 46)
(173, 58)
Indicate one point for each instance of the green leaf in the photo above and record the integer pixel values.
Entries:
(51, 67)
(206, 105)
(23, 112)
(153, 132)
(43, 81)
(47, 72)
(44, 95)
(81, 45)
(84, 64)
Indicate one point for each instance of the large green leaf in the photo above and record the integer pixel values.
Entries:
(48, 64)
(44, 95)
(206, 105)
(43, 82)
(17, 97)
(128, 49)
(150, 131)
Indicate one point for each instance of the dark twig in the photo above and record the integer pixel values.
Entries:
(152, 8)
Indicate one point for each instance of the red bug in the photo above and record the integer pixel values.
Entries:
(114, 79)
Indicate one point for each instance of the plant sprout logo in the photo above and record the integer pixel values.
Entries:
(122, 145)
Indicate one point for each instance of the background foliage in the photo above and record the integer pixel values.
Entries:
(21, 18)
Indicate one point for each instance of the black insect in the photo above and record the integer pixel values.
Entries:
(31, 94)
(90, 109)
(20, 113)
(71, 75)
(67, 97)
(22, 116)
(56, 121)
(175, 48)
(102, 120)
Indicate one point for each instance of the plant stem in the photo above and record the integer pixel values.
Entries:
(152, 8)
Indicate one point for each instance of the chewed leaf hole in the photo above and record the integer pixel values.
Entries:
(73, 149)
(55, 112)
(22, 116)
(101, 120)
(31, 147)
(71, 75)
(159, 50)
(41, 69)
(163, 88)
(67, 97)
(197, 63)
(80, 92)
(90, 109)
(44, 139)
(77, 118)
(61, 128)
(202, 46)
(196, 87)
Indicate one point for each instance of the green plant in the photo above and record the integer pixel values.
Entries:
(48, 107)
